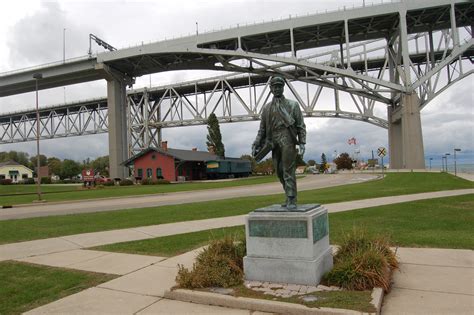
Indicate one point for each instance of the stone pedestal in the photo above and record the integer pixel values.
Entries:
(288, 247)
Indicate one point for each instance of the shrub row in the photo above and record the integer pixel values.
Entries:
(149, 181)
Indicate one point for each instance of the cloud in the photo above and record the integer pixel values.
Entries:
(38, 38)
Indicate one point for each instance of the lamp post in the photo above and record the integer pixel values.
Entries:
(442, 163)
(37, 77)
(455, 167)
(431, 159)
(447, 170)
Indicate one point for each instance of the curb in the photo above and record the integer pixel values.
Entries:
(208, 298)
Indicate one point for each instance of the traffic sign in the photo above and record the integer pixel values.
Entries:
(381, 151)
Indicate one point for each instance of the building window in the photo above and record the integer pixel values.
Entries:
(153, 156)
(2, 176)
(140, 173)
(159, 173)
(24, 176)
(149, 173)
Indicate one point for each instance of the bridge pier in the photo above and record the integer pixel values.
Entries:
(117, 119)
(405, 138)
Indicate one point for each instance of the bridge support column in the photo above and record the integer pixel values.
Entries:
(117, 118)
(405, 139)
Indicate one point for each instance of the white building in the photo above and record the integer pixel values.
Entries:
(14, 171)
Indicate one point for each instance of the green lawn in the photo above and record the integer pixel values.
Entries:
(169, 246)
(441, 223)
(31, 189)
(26, 286)
(27, 193)
(45, 227)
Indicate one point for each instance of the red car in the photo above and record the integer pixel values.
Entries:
(100, 179)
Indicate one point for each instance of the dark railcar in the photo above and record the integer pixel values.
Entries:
(228, 168)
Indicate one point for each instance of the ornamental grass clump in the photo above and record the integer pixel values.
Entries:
(363, 263)
(218, 265)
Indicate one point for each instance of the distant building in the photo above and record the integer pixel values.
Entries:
(14, 171)
(300, 169)
(177, 165)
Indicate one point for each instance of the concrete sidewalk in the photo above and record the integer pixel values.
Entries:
(70, 242)
(430, 281)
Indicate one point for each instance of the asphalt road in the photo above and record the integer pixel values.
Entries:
(109, 204)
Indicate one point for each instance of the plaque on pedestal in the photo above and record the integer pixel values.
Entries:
(288, 247)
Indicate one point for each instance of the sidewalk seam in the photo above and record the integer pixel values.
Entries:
(69, 241)
(443, 292)
(442, 266)
(144, 308)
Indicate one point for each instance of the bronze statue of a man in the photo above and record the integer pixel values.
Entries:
(281, 129)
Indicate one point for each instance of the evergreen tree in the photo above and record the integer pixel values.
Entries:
(322, 166)
(214, 137)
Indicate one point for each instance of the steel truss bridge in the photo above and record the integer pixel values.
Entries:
(398, 56)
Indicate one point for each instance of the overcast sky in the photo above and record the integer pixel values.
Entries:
(31, 33)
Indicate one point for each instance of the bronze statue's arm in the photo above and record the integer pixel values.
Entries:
(300, 126)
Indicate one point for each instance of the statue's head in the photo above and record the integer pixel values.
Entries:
(277, 84)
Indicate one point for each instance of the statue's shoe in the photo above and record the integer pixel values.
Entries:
(291, 207)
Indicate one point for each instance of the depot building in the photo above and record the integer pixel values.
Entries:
(184, 165)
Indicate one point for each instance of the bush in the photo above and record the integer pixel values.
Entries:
(149, 181)
(45, 180)
(5, 181)
(27, 181)
(220, 264)
(109, 183)
(126, 182)
(362, 263)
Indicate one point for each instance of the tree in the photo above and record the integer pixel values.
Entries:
(54, 165)
(70, 168)
(101, 165)
(311, 162)
(19, 157)
(265, 167)
(253, 163)
(43, 160)
(300, 161)
(322, 166)
(343, 161)
(214, 137)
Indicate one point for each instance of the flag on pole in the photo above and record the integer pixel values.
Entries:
(352, 141)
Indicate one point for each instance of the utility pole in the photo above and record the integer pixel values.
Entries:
(37, 76)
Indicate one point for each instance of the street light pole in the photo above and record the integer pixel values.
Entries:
(37, 77)
(455, 167)
(442, 163)
(447, 170)
(431, 159)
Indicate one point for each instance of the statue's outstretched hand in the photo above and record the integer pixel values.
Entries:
(301, 150)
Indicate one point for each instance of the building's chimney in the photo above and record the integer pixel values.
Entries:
(194, 149)
(211, 149)
(164, 145)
